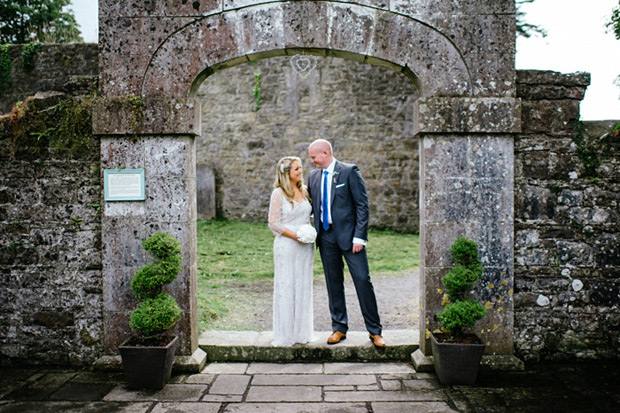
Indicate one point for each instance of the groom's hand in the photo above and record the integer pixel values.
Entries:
(357, 248)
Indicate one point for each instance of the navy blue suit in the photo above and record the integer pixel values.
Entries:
(349, 212)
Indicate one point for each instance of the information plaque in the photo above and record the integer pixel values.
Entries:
(124, 184)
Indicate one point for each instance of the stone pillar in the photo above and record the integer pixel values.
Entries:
(466, 190)
(147, 142)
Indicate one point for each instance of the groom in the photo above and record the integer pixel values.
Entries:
(340, 206)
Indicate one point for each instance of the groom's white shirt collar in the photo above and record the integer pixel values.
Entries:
(330, 168)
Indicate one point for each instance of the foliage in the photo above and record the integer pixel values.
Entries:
(524, 29)
(65, 129)
(461, 313)
(614, 21)
(591, 150)
(460, 280)
(257, 92)
(156, 311)
(5, 67)
(28, 53)
(41, 21)
(154, 316)
(465, 252)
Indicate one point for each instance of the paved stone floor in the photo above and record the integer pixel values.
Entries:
(321, 387)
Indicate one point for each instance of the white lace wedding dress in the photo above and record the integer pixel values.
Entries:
(293, 319)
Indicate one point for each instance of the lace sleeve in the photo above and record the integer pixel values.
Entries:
(275, 211)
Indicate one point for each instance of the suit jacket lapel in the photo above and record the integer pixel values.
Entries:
(334, 183)
(316, 189)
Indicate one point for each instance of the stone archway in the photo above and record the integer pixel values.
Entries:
(461, 56)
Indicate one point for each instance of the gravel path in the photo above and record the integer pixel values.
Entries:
(397, 298)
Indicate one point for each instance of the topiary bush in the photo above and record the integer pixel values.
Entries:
(460, 312)
(156, 311)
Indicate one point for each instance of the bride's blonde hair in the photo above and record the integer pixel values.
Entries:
(283, 179)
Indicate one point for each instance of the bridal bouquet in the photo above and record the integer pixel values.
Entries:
(306, 234)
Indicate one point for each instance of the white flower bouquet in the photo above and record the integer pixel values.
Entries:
(306, 234)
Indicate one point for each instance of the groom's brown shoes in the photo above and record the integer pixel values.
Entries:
(336, 337)
(377, 340)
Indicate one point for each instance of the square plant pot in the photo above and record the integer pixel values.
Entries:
(148, 367)
(456, 363)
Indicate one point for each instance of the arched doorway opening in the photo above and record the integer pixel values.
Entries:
(367, 112)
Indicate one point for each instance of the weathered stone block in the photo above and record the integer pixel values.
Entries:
(118, 116)
(558, 116)
(157, 7)
(430, 7)
(121, 74)
(548, 78)
(490, 63)
(480, 115)
(437, 67)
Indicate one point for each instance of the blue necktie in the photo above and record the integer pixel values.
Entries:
(325, 196)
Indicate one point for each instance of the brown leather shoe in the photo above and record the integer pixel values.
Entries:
(336, 337)
(377, 340)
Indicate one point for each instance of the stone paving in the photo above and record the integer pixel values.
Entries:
(319, 387)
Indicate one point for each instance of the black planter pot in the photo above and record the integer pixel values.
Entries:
(148, 367)
(456, 363)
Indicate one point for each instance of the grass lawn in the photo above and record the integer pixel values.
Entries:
(235, 259)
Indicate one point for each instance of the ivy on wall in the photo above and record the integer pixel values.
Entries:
(63, 130)
(5, 67)
(257, 90)
(28, 53)
(591, 150)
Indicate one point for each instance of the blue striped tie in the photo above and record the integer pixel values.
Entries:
(325, 196)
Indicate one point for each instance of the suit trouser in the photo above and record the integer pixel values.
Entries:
(331, 256)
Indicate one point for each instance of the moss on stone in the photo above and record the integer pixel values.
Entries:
(63, 130)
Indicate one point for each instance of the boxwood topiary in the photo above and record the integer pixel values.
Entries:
(460, 312)
(156, 311)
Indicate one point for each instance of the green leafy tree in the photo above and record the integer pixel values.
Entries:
(37, 21)
(614, 21)
(527, 29)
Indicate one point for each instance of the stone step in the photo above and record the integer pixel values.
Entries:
(256, 346)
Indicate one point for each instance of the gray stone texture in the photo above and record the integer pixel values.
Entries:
(239, 346)
(230, 384)
(68, 68)
(467, 191)
(62, 287)
(170, 206)
(366, 111)
(449, 56)
(566, 227)
(51, 303)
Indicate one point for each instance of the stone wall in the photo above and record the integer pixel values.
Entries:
(567, 237)
(70, 68)
(566, 223)
(50, 252)
(366, 111)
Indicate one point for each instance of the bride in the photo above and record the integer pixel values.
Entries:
(293, 253)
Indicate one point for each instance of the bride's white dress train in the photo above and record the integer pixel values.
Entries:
(293, 318)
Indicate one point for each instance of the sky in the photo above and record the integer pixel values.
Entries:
(577, 42)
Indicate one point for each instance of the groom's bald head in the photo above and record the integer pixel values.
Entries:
(321, 145)
(320, 152)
